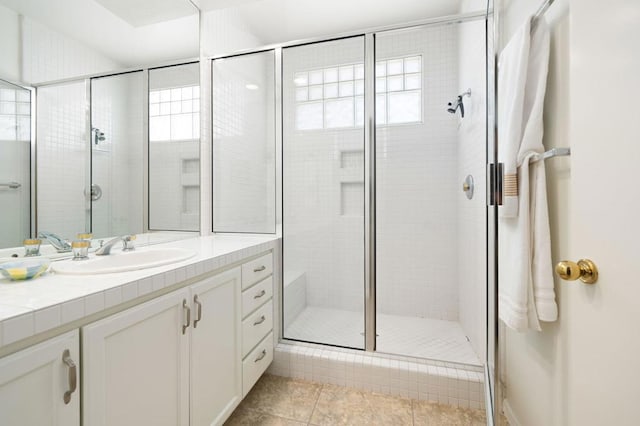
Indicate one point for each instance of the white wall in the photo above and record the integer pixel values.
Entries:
(534, 372)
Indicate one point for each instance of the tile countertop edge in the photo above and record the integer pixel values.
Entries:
(28, 308)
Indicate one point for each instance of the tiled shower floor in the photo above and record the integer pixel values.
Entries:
(410, 336)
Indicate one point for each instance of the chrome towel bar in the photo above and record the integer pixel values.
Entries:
(555, 152)
(12, 185)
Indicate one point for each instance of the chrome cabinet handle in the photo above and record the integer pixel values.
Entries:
(259, 295)
(199, 312)
(260, 321)
(262, 355)
(73, 375)
(260, 268)
(188, 309)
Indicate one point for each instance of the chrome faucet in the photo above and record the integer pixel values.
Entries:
(59, 243)
(127, 245)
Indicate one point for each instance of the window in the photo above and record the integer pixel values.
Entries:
(333, 98)
(15, 114)
(174, 114)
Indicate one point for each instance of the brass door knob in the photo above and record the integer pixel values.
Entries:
(585, 270)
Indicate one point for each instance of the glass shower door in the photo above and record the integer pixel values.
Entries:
(323, 192)
(117, 139)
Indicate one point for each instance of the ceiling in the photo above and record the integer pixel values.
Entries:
(144, 12)
(129, 32)
(275, 21)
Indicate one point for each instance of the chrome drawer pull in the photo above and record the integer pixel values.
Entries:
(73, 375)
(260, 268)
(199, 311)
(260, 321)
(262, 355)
(259, 295)
(188, 309)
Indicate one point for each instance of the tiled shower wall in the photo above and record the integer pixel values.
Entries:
(61, 157)
(471, 218)
(323, 217)
(417, 188)
(48, 55)
(117, 163)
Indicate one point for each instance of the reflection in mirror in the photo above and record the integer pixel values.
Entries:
(15, 170)
(244, 143)
(88, 62)
(116, 151)
(174, 157)
(62, 159)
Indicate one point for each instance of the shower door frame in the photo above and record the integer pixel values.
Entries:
(369, 151)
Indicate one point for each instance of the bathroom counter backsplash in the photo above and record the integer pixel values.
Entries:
(31, 307)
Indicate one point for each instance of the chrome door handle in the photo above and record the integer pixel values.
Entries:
(260, 321)
(262, 355)
(73, 375)
(259, 295)
(260, 268)
(199, 312)
(188, 309)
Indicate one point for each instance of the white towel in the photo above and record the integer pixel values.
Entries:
(525, 274)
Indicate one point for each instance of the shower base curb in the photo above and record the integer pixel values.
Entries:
(453, 384)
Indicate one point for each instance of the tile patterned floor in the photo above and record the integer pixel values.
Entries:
(410, 336)
(280, 401)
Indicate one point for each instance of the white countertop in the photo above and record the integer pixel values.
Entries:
(31, 307)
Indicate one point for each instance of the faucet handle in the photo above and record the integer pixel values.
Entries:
(127, 242)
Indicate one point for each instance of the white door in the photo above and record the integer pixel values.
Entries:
(40, 385)
(602, 320)
(216, 376)
(136, 365)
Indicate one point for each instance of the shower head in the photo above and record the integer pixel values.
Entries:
(453, 107)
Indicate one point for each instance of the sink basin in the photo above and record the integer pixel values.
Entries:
(122, 261)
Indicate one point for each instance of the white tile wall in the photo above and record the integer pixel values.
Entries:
(417, 189)
(445, 383)
(117, 166)
(48, 55)
(61, 157)
(471, 214)
(319, 240)
(244, 143)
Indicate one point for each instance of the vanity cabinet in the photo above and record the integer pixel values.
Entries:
(41, 384)
(257, 319)
(174, 360)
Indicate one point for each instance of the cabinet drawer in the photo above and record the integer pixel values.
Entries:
(256, 363)
(257, 269)
(256, 326)
(257, 295)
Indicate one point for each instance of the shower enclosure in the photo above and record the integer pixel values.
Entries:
(381, 182)
(378, 233)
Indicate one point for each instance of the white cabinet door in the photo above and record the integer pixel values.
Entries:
(216, 375)
(136, 365)
(35, 381)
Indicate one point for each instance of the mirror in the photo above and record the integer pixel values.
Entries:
(87, 67)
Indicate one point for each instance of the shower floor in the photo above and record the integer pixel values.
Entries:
(399, 335)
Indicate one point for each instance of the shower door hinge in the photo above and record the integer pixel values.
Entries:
(495, 173)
